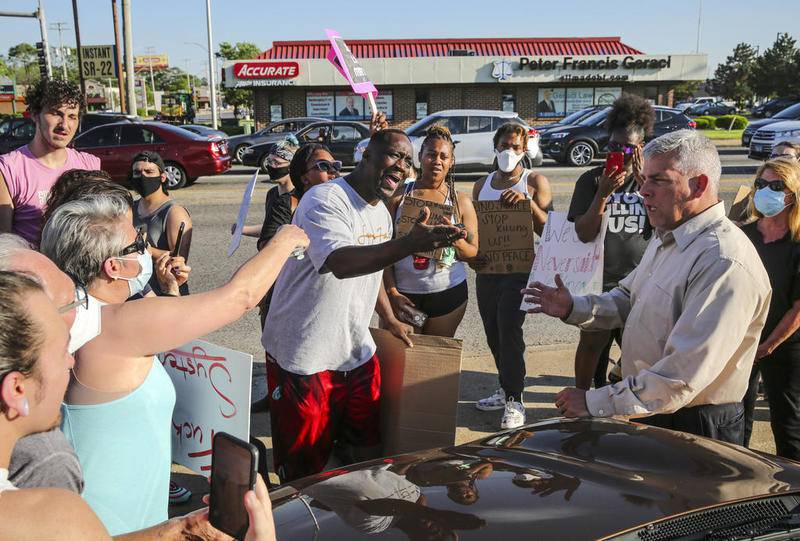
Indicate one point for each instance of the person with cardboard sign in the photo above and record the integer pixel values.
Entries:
(510, 201)
(432, 286)
(324, 378)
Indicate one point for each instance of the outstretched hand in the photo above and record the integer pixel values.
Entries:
(553, 301)
(424, 237)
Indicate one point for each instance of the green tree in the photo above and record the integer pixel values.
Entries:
(23, 57)
(776, 72)
(239, 51)
(684, 91)
(733, 79)
(171, 80)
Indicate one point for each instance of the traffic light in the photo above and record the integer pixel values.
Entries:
(41, 54)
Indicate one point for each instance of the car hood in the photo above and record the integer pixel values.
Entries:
(565, 479)
(783, 125)
(753, 125)
(559, 128)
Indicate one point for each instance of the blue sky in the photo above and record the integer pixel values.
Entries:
(653, 27)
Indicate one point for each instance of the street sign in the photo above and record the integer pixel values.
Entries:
(98, 61)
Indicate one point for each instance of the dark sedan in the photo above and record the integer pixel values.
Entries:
(186, 154)
(580, 143)
(774, 106)
(272, 133)
(556, 479)
(712, 109)
(341, 137)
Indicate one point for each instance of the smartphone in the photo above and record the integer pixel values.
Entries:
(615, 160)
(233, 472)
(261, 447)
(178, 241)
(413, 316)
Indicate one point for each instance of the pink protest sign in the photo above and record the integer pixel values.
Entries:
(340, 56)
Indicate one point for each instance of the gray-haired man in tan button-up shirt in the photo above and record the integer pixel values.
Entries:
(692, 311)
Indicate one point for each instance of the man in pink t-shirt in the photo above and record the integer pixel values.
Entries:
(28, 173)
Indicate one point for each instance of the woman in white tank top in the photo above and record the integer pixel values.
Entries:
(436, 287)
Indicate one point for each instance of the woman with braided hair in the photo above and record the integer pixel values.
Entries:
(436, 287)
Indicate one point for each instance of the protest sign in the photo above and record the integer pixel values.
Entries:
(409, 214)
(562, 252)
(419, 391)
(244, 207)
(738, 210)
(212, 386)
(505, 236)
(340, 56)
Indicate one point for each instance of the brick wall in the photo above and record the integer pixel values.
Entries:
(261, 107)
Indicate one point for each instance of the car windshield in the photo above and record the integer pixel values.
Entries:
(595, 118)
(791, 112)
(576, 116)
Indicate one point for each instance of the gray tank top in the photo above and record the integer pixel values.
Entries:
(156, 227)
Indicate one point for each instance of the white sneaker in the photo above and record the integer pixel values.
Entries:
(514, 415)
(491, 403)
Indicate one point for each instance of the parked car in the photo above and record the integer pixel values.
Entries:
(205, 131)
(186, 154)
(94, 119)
(764, 138)
(774, 106)
(713, 109)
(790, 113)
(472, 130)
(702, 100)
(339, 136)
(556, 479)
(272, 133)
(580, 143)
(571, 118)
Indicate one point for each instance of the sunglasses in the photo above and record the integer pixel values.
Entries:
(81, 297)
(138, 246)
(326, 167)
(625, 148)
(774, 185)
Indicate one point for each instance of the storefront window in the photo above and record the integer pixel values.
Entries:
(346, 105)
(509, 101)
(551, 102)
(421, 102)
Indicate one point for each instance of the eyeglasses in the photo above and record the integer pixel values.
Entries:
(625, 148)
(81, 297)
(138, 245)
(326, 166)
(784, 155)
(774, 185)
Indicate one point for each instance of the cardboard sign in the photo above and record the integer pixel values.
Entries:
(340, 56)
(505, 236)
(212, 384)
(419, 391)
(562, 252)
(738, 212)
(409, 214)
(244, 208)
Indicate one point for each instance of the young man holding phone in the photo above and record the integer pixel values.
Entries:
(613, 189)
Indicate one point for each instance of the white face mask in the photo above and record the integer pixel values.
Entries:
(86, 325)
(507, 160)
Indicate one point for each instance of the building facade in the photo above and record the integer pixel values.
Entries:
(542, 79)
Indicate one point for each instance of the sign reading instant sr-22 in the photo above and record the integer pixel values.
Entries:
(98, 61)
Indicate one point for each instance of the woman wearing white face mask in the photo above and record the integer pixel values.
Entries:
(499, 294)
(118, 407)
(775, 233)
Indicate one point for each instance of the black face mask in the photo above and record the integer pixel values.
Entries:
(277, 172)
(146, 185)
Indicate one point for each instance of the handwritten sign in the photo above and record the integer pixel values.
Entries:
(505, 236)
(212, 384)
(347, 64)
(562, 252)
(409, 214)
(244, 208)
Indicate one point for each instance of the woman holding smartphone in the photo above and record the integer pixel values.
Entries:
(434, 290)
(775, 232)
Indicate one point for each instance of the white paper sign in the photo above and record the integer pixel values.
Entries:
(561, 252)
(212, 384)
(244, 207)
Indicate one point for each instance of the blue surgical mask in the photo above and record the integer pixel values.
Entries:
(138, 282)
(769, 202)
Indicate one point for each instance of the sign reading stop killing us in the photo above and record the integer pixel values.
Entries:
(340, 56)
(212, 388)
(505, 236)
(562, 252)
(409, 214)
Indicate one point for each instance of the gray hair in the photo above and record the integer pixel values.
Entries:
(82, 234)
(10, 244)
(695, 154)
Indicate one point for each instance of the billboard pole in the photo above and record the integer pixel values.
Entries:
(129, 75)
(123, 103)
(78, 45)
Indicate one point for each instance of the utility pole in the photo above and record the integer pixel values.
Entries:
(62, 53)
(118, 59)
(699, 23)
(45, 44)
(78, 45)
(150, 52)
(211, 70)
(188, 80)
(129, 74)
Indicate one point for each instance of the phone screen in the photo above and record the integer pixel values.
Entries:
(233, 467)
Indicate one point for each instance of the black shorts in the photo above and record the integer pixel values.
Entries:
(440, 303)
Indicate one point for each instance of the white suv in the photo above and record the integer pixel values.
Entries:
(764, 140)
(473, 132)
